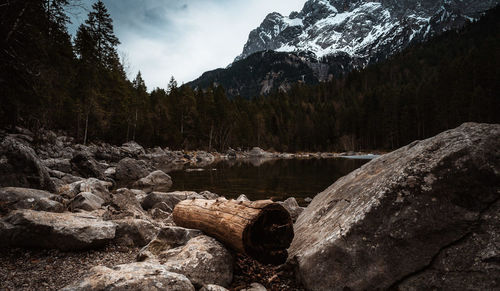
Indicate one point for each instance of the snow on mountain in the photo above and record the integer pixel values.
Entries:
(329, 38)
(364, 30)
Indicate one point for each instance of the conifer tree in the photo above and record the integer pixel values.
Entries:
(99, 27)
(139, 99)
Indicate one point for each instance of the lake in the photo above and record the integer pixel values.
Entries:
(257, 179)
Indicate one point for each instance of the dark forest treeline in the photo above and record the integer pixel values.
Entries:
(47, 80)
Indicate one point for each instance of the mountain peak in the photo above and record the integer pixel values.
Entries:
(329, 38)
(360, 28)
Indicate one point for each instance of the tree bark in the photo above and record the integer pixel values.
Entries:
(261, 229)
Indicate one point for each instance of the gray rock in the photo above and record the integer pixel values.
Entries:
(86, 201)
(469, 264)
(393, 222)
(62, 165)
(292, 207)
(133, 148)
(166, 239)
(66, 178)
(134, 276)
(57, 182)
(139, 194)
(158, 214)
(260, 153)
(64, 231)
(212, 287)
(242, 197)
(203, 159)
(231, 154)
(155, 181)
(12, 198)
(21, 167)
(92, 185)
(129, 170)
(203, 260)
(125, 204)
(154, 200)
(209, 195)
(86, 166)
(133, 232)
(110, 172)
(255, 287)
(166, 161)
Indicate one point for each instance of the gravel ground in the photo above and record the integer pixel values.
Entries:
(248, 270)
(52, 269)
(22, 269)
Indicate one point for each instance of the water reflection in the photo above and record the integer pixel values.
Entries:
(263, 179)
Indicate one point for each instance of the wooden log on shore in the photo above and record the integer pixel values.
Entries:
(261, 229)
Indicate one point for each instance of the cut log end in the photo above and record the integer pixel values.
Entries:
(269, 235)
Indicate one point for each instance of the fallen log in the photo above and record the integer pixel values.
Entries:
(261, 229)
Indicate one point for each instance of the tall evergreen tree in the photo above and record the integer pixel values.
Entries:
(139, 102)
(100, 27)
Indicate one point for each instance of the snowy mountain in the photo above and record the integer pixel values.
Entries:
(362, 29)
(333, 37)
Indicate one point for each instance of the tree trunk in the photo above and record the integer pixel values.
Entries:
(261, 229)
(210, 141)
(128, 129)
(135, 124)
(86, 128)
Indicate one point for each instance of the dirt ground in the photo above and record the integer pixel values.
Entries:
(22, 269)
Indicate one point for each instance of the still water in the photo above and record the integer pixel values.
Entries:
(276, 179)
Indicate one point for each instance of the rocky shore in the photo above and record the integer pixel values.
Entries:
(84, 212)
(98, 217)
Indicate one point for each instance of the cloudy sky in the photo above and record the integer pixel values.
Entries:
(184, 38)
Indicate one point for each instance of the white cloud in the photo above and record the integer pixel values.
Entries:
(184, 38)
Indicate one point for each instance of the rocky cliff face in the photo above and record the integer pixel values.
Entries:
(329, 38)
(364, 30)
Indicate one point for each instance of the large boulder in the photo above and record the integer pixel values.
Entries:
(134, 276)
(155, 181)
(203, 260)
(21, 167)
(12, 198)
(129, 170)
(471, 263)
(422, 217)
(64, 231)
(167, 201)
